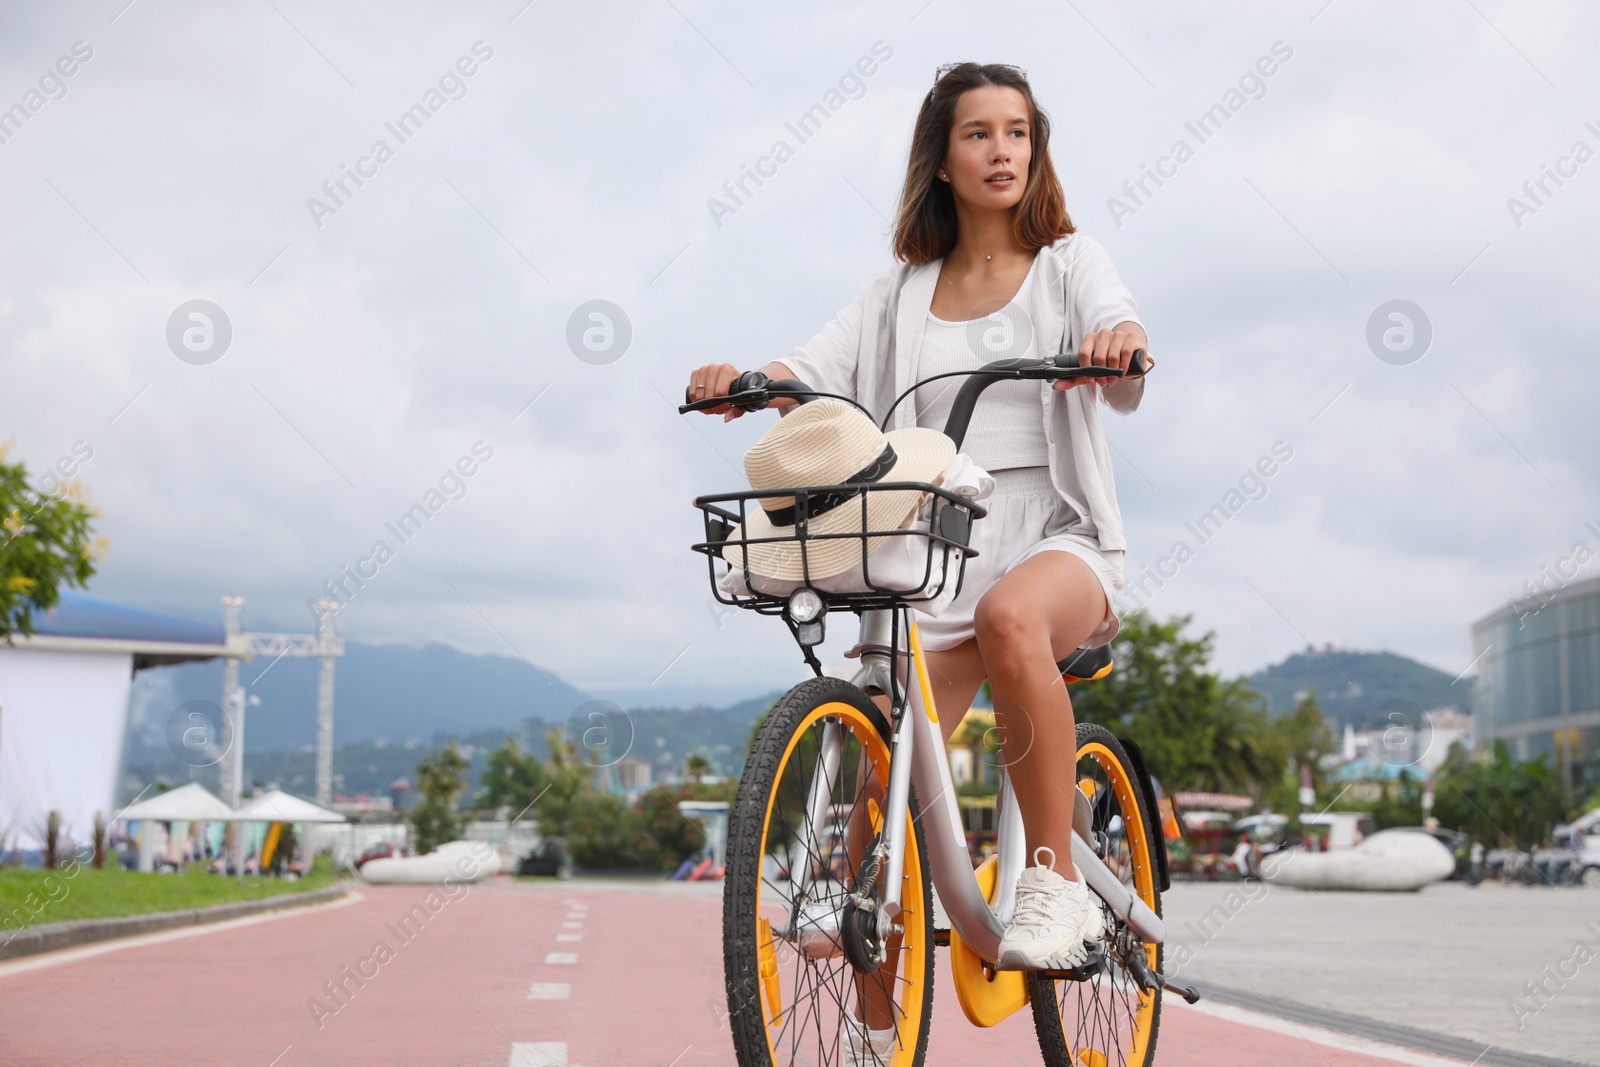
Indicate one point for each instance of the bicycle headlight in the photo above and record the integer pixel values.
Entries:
(805, 605)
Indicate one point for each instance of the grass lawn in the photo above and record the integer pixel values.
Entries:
(92, 894)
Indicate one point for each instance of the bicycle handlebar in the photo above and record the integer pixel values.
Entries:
(753, 390)
(1001, 370)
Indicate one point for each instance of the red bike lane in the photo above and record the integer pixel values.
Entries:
(548, 975)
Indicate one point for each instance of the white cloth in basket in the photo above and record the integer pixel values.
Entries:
(902, 564)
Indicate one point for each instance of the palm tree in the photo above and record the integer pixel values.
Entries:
(697, 765)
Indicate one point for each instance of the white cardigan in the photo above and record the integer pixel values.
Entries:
(869, 350)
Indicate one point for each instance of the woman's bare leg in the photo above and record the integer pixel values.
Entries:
(1038, 613)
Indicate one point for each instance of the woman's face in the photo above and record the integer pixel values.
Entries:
(990, 138)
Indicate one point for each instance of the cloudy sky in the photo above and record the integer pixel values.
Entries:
(379, 334)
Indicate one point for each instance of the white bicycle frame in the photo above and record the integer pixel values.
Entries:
(917, 757)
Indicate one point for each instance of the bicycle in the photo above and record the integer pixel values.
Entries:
(828, 920)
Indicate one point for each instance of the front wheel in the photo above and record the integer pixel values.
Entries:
(1104, 1019)
(793, 992)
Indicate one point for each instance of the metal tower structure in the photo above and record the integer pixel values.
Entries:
(324, 644)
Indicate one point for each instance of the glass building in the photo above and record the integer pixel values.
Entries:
(1538, 684)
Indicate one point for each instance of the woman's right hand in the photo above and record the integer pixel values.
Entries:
(714, 379)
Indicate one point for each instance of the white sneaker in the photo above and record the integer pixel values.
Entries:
(867, 1048)
(1056, 923)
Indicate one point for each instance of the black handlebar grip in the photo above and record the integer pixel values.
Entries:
(1136, 363)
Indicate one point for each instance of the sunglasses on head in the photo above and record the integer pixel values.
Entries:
(946, 68)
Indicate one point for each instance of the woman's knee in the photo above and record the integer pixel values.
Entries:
(1011, 635)
(1006, 621)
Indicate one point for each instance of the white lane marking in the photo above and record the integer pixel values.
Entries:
(561, 957)
(572, 926)
(538, 1054)
(569, 937)
(72, 955)
(550, 991)
(1315, 1035)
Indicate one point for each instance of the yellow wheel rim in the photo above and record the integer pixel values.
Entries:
(1130, 1030)
(912, 957)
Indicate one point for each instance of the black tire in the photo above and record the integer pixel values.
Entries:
(1062, 1014)
(776, 761)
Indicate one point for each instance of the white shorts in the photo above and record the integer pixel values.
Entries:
(1026, 516)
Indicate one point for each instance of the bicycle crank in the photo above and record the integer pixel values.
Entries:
(1150, 981)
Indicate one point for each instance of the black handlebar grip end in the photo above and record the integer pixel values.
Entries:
(1136, 364)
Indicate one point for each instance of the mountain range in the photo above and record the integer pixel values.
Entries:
(394, 703)
(393, 692)
(1359, 687)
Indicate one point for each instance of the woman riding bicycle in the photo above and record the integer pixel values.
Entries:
(992, 267)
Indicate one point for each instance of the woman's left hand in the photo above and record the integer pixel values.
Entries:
(1113, 347)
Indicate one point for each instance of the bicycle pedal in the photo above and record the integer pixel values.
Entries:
(941, 937)
(1091, 966)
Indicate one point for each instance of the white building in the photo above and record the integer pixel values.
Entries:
(64, 708)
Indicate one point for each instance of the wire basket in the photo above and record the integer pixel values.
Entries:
(937, 540)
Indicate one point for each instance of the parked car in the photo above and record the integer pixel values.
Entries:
(1580, 831)
(1587, 870)
(549, 859)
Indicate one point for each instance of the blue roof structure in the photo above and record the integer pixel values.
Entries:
(81, 615)
(1375, 770)
(80, 622)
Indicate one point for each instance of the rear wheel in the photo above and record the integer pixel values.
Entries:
(1103, 1018)
(793, 991)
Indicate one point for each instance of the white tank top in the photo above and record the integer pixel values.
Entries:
(1007, 428)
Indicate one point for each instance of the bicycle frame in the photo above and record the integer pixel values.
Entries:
(917, 757)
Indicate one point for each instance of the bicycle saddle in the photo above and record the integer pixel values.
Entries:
(1086, 664)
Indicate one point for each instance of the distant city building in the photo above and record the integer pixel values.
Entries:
(363, 808)
(1380, 753)
(633, 773)
(1538, 663)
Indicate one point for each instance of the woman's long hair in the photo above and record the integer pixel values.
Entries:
(926, 228)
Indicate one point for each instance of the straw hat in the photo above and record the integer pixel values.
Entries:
(830, 442)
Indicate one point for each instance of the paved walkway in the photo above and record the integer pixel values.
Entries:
(1450, 959)
(507, 974)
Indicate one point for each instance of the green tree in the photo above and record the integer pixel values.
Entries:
(1197, 730)
(696, 765)
(441, 779)
(1499, 800)
(568, 778)
(45, 543)
(1305, 738)
(602, 832)
(672, 834)
(513, 779)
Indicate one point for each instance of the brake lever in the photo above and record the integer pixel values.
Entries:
(746, 400)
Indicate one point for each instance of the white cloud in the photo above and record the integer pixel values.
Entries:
(411, 325)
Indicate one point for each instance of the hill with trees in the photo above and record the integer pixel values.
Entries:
(1353, 687)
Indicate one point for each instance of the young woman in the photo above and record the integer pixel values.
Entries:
(992, 267)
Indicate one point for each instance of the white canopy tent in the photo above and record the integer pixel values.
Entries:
(187, 803)
(278, 806)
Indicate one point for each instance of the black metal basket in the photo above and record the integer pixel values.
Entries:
(948, 534)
